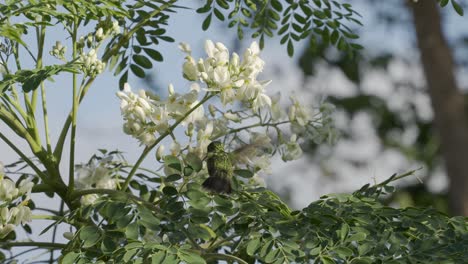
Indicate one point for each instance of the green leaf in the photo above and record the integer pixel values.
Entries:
(206, 22)
(194, 162)
(457, 7)
(70, 258)
(130, 254)
(315, 251)
(169, 190)
(357, 237)
(344, 231)
(132, 231)
(108, 245)
(142, 61)
(190, 257)
(11, 32)
(154, 54)
(173, 162)
(252, 246)
(276, 4)
(158, 257)
(327, 260)
(173, 177)
(139, 72)
(343, 252)
(90, 235)
(271, 256)
(244, 173)
(290, 48)
(218, 14)
(443, 3)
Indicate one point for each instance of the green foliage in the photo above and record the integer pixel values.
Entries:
(168, 217)
(184, 223)
(456, 6)
(293, 21)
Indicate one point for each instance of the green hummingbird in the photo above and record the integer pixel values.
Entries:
(221, 164)
(220, 168)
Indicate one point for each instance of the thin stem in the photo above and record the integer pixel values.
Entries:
(46, 118)
(30, 116)
(43, 92)
(23, 156)
(218, 256)
(109, 53)
(16, 104)
(54, 232)
(71, 178)
(19, 129)
(47, 217)
(233, 131)
(78, 193)
(160, 138)
(33, 244)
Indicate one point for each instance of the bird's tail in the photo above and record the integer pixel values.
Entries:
(218, 184)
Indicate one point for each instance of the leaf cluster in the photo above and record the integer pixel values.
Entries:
(181, 222)
(292, 21)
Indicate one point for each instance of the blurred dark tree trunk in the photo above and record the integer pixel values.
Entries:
(450, 118)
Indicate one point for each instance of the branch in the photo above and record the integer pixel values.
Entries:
(107, 55)
(218, 256)
(33, 244)
(161, 137)
(79, 193)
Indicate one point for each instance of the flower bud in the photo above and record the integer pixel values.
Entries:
(160, 153)
(189, 131)
(212, 110)
(68, 235)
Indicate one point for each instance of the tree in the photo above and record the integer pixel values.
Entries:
(120, 212)
(393, 123)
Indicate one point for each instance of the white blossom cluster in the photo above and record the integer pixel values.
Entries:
(91, 65)
(146, 115)
(58, 51)
(233, 78)
(95, 174)
(13, 212)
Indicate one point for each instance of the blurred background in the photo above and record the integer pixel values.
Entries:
(400, 103)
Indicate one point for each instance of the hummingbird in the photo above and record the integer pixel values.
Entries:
(220, 168)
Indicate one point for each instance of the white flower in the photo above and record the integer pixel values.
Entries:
(291, 150)
(218, 53)
(203, 138)
(20, 215)
(88, 199)
(115, 28)
(175, 148)
(234, 117)
(277, 112)
(257, 180)
(298, 113)
(147, 138)
(68, 235)
(99, 35)
(262, 163)
(160, 153)
(8, 191)
(2, 170)
(262, 100)
(25, 186)
(196, 114)
(6, 229)
(189, 69)
(185, 47)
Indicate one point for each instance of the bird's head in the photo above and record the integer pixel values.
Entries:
(215, 147)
